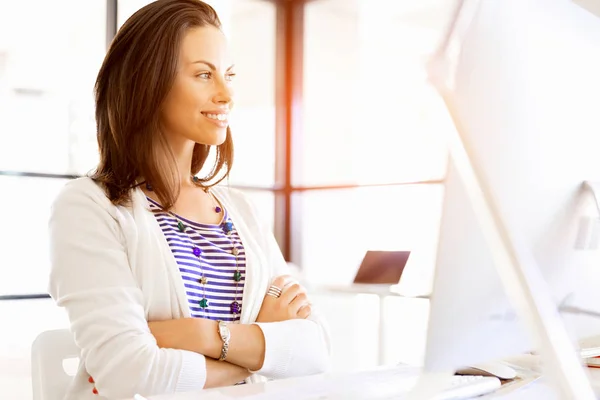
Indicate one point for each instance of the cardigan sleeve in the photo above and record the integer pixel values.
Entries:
(295, 347)
(91, 278)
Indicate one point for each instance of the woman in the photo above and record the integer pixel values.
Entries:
(171, 283)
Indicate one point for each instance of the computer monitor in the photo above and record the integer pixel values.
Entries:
(521, 79)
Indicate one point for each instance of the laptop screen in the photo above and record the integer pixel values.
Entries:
(382, 267)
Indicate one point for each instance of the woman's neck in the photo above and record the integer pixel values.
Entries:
(183, 156)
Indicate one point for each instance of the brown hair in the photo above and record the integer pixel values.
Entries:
(137, 74)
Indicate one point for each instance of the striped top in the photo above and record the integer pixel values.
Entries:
(206, 250)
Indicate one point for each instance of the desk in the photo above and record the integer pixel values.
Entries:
(382, 291)
(541, 389)
(300, 389)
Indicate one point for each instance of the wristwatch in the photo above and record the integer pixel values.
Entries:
(225, 334)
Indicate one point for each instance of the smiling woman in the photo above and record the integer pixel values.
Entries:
(171, 281)
(201, 97)
(167, 103)
(250, 29)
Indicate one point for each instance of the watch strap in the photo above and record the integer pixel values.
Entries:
(225, 335)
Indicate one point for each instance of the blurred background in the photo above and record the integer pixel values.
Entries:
(335, 129)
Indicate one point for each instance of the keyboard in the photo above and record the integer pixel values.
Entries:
(394, 383)
(467, 387)
(383, 383)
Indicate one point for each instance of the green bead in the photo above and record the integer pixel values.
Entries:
(203, 303)
(237, 276)
(181, 226)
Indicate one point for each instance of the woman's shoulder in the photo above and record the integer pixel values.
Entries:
(82, 191)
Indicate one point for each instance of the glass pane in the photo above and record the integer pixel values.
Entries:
(125, 8)
(46, 84)
(368, 112)
(337, 227)
(250, 28)
(24, 257)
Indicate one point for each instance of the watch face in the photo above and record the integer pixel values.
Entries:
(224, 330)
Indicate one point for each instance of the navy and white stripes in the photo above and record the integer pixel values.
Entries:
(216, 262)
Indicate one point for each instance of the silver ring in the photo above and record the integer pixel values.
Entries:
(274, 291)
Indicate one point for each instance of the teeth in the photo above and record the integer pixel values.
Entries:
(220, 117)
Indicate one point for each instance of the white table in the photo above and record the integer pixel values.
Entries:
(300, 389)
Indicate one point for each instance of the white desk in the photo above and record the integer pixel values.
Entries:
(300, 389)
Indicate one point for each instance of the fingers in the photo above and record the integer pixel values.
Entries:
(304, 311)
(300, 301)
(277, 287)
(290, 293)
(281, 281)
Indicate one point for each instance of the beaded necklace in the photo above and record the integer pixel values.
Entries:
(227, 226)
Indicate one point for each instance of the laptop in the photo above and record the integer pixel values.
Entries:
(378, 273)
(381, 267)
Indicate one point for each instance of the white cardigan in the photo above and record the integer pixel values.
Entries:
(113, 271)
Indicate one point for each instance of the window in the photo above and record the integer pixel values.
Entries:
(48, 64)
(371, 125)
(126, 8)
(24, 262)
(339, 226)
(367, 105)
(250, 27)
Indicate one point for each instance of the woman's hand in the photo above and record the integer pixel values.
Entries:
(292, 304)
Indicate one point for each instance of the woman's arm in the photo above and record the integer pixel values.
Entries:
(283, 318)
(296, 347)
(91, 278)
(247, 343)
(223, 374)
(246, 347)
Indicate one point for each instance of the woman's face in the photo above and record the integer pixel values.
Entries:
(198, 105)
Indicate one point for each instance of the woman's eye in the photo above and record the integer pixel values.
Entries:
(204, 75)
(230, 76)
